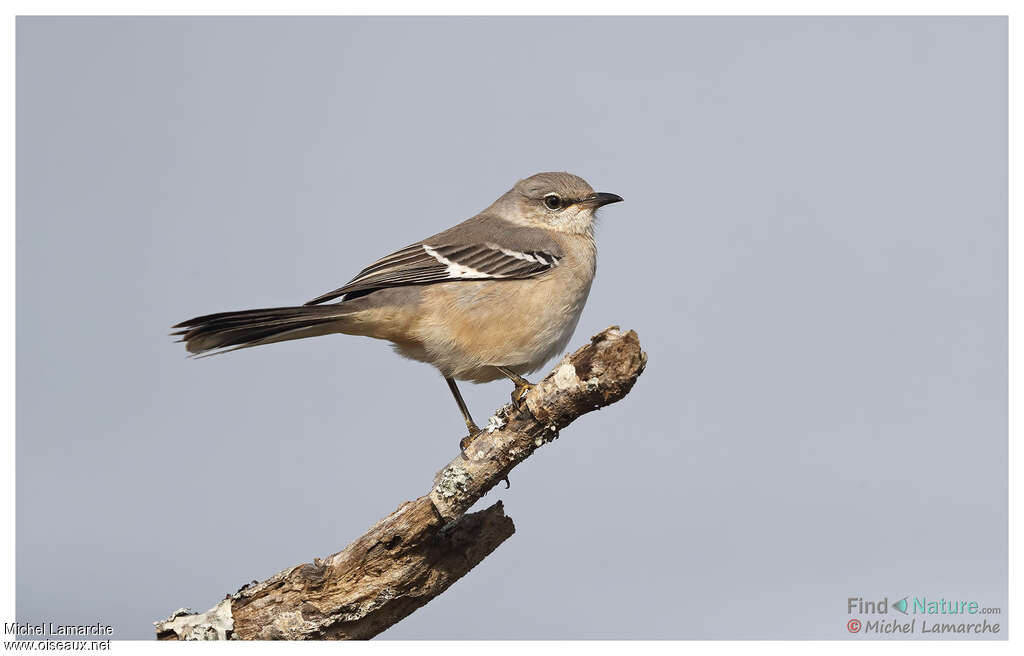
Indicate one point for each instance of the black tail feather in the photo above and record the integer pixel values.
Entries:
(253, 327)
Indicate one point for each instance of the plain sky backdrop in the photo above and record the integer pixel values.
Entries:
(812, 250)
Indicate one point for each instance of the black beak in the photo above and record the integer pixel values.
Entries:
(600, 199)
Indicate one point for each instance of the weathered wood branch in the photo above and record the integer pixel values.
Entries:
(419, 550)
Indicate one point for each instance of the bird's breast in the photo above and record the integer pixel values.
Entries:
(468, 327)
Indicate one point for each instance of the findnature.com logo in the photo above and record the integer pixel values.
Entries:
(923, 616)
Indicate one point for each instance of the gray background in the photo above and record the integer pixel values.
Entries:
(812, 249)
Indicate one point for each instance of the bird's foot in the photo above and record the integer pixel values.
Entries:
(464, 443)
(474, 432)
(523, 388)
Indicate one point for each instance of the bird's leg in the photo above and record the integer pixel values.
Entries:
(474, 430)
(523, 386)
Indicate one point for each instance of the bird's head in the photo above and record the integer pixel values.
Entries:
(557, 201)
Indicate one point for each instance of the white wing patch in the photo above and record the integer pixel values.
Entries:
(421, 264)
(455, 270)
(535, 257)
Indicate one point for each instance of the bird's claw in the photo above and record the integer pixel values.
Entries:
(474, 432)
(520, 392)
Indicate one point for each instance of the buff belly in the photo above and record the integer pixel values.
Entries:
(475, 326)
(467, 328)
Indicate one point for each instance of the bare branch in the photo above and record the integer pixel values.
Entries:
(419, 550)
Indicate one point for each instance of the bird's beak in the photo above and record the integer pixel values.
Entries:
(599, 199)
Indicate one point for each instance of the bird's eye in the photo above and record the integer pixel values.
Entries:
(553, 202)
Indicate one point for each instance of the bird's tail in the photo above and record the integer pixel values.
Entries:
(228, 331)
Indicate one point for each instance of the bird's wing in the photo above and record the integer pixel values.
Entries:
(446, 257)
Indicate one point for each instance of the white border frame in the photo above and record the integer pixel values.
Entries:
(523, 7)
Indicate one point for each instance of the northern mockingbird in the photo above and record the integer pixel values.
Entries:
(496, 296)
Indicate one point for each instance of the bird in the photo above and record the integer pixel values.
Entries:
(495, 296)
